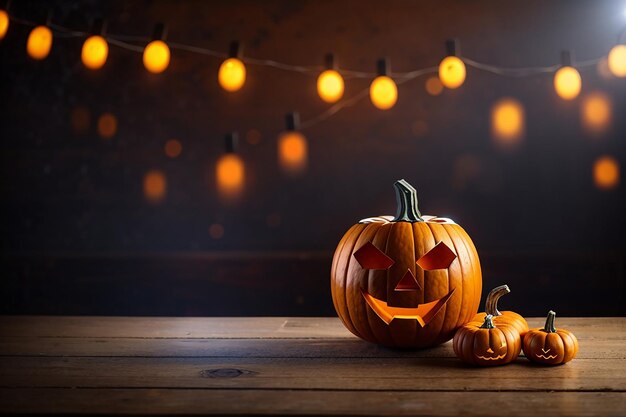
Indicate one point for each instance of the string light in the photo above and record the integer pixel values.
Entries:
(567, 81)
(507, 121)
(452, 69)
(330, 83)
(4, 23)
(156, 55)
(95, 48)
(232, 73)
(617, 60)
(292, 147)
(230, 170)
(39, 42)
(383, 90)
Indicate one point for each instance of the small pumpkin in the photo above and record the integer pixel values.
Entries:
(505, 317)
(550, 346)
(486, 344)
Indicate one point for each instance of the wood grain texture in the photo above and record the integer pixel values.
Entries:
(292, 366)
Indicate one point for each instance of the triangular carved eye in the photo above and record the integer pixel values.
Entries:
(408, 282)
(370, 257)
(439, 257)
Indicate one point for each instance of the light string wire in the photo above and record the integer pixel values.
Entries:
(124, 42)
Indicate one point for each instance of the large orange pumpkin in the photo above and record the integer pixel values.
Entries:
(408, 280)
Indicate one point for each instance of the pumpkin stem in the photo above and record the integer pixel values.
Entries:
(488, 323)
(406, 196)
(491, 303)
(549, 327)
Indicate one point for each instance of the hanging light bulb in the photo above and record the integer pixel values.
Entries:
(39, 42)
(452, 69)
(567, 81)
(293, 149)
(230, 170)
(95, 48)
(383, 90)
(617, 60)
(232, 72)
(330, 84)
(4, 23)
(156, 55)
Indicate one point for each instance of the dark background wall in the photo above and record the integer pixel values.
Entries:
(79, 236)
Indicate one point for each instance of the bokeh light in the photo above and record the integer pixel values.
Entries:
(596, 112)
(232, 74)
(567, 83)
(293, 152)
(39, 42)
(216, 231)
(253, 137)
(230, 176)
(95, 52)
(107, 125)
(452, 72)
(606, 172)
(433, 86)
(330, 86)
(507, 121)
(154, 186)
(156, 56)
(4, 23)
(617, 60)
(173, 148)
(80, 119)
(383, 92)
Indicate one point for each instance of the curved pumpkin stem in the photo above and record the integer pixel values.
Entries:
(549, 327)
(406, 196)
(491, 303)
(488, 323)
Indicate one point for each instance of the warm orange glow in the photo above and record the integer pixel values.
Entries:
(434, 86)
(156, 56)
(107, 125)
(330, 86)
(232, 74)
(95, 52)
(173, 148)
(253, 137)
(606, 172)
(39, 42)
(80, 120)
(596, 112)
(452, 72)
(216, 231)
(567, 83)
(383, 92)
(617, 60)
(154, 186)
(230, 175)
(507, 121)
(4, 23)
(293, 151)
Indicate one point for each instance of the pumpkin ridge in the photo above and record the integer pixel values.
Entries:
(333, 267)
(461, 283)
(476, 270)
(444, 309)
(379, 331)
(348, 318)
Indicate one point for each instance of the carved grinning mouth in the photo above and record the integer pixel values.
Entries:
(423, 313)
(546, 357)
(491, 358)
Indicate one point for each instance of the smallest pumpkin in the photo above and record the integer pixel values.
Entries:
(550, 346)
(485, 344)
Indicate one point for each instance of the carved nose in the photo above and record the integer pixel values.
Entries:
(489, 350)
(408, 282)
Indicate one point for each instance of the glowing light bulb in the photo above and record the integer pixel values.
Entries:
(4, 23)
(230, 175)
(596, 112)
(606, 172)
(383, 92)
(232, 74)
(567, 83)
(617, 60)
(293, 152)
(156, 56)
(452, 72)
(154, 186)
(39, 42)
(95, 52)
(330, 86)
(507, 121)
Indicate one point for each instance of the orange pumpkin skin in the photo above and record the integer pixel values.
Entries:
(372, 301)
(550, 346)
(485, 344)
(502, 318)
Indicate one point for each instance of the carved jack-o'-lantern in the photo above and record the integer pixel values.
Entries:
(484, 344)
(408, 280)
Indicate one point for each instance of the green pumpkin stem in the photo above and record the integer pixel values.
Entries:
(549, 327)
(488, 323)
(491, 303)
(406, 196)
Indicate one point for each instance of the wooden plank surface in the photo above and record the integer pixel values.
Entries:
(286, 366)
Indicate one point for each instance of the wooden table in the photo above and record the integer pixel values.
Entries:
(136, 365)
